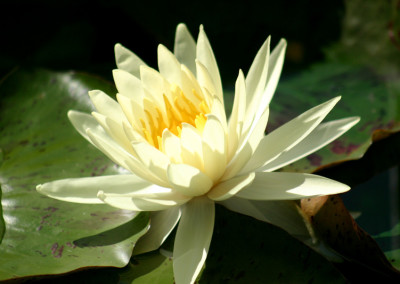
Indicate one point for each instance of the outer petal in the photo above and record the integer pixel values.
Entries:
(84, 190)
(229, 188)
(188, 180)
(142, 204)
(214, 154)
(106, 105)
(193, 239)
(257, 76)
(283, 186)
(128, 85)
(168, 65)
(161, 225)
(318, 138)
(127, 60)
(206, 56)
(83, 121)
(284, 214)
(185, 47)
(288, 135)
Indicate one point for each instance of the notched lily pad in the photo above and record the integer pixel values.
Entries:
(39, 145)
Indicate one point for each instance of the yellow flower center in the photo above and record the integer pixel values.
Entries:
(180, 110)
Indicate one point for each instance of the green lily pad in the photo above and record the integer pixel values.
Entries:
(38, 144)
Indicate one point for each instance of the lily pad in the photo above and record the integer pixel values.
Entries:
(38, 144)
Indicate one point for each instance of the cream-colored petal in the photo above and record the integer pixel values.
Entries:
(191, 85)
(214, 154)
(128, 85)
(288, 186)
(169, 66)
(217, 109)
(171, 146)
(236, 119)
(83, 121)
(205, 80)
(84, 190)
(229, 188)
(284, 214)
(288, 135)
(154, 160)
(318, 138)
(161, 225)
(205, 55)
(114, 129)
(193, 239)
(188, 180)
(127, 60)
(191, 146)
(259, 104)
(106, 105)
(121, 157)
(257, 76)
(185, 47)
(138, 204)
(155, 87)
(247, 148)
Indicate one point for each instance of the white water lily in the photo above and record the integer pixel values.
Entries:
(170, 131)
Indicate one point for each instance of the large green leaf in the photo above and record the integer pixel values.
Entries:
(43, 235)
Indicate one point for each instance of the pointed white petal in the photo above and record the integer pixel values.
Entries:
(127, 60)
(161, 225)
(84, 190)
(205, 80)
(168, 65)
(114, 129)
(171, 146)
(288, 135)
(128, 85)
(155, 161)
(83, 121)
(106, 105)
(229, 188)
(206, 56)
(282, 186)
(193, 239)
(191, 146)
(155, 87)
(318, 138)
(257, 76)
(185, 48)
(238, 110)
(188, 180)
(284, 214)
(247, 148)
(214, 154)
(139, 204)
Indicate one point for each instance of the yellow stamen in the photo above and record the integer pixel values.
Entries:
(180, 110)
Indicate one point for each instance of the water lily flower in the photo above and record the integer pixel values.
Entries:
(169, 129)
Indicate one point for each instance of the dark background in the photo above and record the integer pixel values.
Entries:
(68, 35)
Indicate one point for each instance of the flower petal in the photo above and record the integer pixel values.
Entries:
(318, 138)
(127, 60)
(193, 239)
(106, 105)
(84, 190)
(161, 225)
(257, 76)
(139, 204)
(214, 154)
(83, 121)
(188, 180)
(155, 161)
(288, 135)
(168, 65)
(282, 186)
(185, 48)
(128, 85)
(284, 214)
(237, 116)
(206, 56)
(191, 146)
(229, 188)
